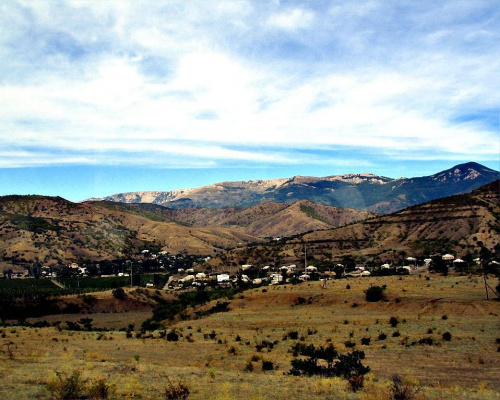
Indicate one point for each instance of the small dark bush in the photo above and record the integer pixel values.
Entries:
(248, 367)
(172, 336)
(356, 382)
(177, 391)
(119, 293)
(400, 390)
(382, 336)
(300, 301)
(374, 293)
(426, 340)
(365, 341)
(447, 336)
(396, 334)
(393, 321)
(267, 365)
(294, 335)
(349, 344)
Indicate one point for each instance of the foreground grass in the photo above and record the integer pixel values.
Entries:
(221, 356)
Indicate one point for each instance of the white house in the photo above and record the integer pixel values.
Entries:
(222, 278)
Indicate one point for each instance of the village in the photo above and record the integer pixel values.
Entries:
(169, 272)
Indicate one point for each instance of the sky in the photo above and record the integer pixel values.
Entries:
(102, 97)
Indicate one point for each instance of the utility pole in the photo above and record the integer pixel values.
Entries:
(485, 281)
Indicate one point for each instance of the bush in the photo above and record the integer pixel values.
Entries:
(66, 387)
(447, 336)
(267, 365)
(400, 390)
(374, 293)
(172, 336)
(73, 386)
(348, 366)
(119, 293)
(177, 391)
(99, 389)
(356, 382)
(426, 340)
(394, 322)
(249, 366)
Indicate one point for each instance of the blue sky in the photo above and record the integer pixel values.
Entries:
(104, 97)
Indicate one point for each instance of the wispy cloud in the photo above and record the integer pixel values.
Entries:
(214, 83)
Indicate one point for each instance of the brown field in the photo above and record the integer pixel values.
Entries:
(466, 367)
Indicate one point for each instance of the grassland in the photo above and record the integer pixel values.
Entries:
(213, 355)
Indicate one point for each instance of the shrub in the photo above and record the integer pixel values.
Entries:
(267, 365)
(383, 336)
(426, 340)
(348, 366)
(66, 387)
(73, 386)
(172, 336)
(374, 293)
(447, 336)
(294, 335)
(365, 341)
(119, 293)
(393, 321)
(99, 389)
(249, 366)
(356, 382)
(177, 391)
(400, 390)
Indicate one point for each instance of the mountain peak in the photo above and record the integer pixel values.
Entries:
(463, 172)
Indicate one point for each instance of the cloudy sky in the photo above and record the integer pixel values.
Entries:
(99, 97)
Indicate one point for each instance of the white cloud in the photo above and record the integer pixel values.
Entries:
(292, 19)
(214, 83)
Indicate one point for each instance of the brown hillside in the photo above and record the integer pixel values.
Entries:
(462, 224)
(263, 220)
(53, 230)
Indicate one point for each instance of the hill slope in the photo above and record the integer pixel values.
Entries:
(54, 230)
(362, 191)
(262, 220)
(462, 224)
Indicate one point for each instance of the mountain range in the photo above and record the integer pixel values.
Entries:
(370, 192)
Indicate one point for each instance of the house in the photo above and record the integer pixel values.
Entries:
(276, 278)
(222, 278)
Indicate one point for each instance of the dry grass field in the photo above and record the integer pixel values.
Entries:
(221, 356)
